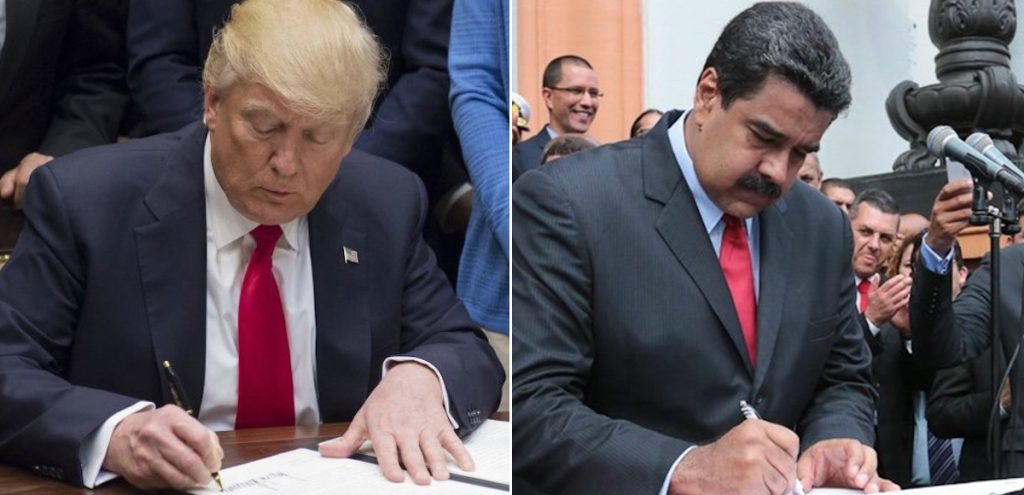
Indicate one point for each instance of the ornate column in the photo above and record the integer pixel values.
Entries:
(976, 89)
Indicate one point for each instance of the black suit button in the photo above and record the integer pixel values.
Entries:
(758, 400)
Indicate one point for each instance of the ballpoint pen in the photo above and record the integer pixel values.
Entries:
(750, 413)
(181, 400)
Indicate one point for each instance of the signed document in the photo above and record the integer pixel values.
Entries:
(305, 471)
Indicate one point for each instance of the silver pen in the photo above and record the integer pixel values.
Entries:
(750, 413)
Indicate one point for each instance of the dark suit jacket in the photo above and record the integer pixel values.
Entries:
(954, 332)
(897, 378)
(168, 43)
(628, 348)
(526, 155)
(109, 277)
(61, 76)
(959, 405)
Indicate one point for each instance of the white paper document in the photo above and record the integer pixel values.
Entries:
(975, 488)
(490, 446)
(305, 471)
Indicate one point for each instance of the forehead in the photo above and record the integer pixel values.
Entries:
(782, 108)
(577, 75)
(870, 216)
(253, 100)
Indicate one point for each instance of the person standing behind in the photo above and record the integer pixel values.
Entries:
(572, 96)
(811, 172)
(478, 63)
(839, 192)
(659, 281)
(62, 85)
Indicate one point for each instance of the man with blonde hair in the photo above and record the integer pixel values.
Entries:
(280, 272)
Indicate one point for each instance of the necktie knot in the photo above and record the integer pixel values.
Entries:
(266, 237)
(730, 221)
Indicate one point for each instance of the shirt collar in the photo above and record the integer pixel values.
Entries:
(710, 213)
(223, 221)
(551, 132)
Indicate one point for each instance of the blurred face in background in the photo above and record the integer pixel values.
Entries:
(573, 102)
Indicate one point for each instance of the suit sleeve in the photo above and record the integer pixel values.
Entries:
(45, 418)
(90, 97)
(437, 329)
(946, 333)
(844, 400)
(955, 407)
(560, 443)
(164, 66)
(413, 114)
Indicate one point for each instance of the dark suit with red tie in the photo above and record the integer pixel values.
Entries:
(628, 347)
(109, 279)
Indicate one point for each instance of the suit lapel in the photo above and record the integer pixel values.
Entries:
(682, 229)
(776, 240)
(343, 341)
(172, 262)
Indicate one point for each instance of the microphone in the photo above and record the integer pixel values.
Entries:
(943, 141)
(981, 142)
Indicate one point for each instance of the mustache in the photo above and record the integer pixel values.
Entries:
(757, 183)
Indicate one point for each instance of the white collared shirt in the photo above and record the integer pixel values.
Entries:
(228, 248)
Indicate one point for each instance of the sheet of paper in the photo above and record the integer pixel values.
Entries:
(304, 471)
(491, 448)
(975, 488)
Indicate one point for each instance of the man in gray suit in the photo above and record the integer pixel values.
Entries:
(644, 312)
(571, 94)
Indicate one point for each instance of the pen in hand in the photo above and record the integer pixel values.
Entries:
(181, 400)
(750, 413)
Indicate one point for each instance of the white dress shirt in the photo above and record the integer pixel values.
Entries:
(228, 247)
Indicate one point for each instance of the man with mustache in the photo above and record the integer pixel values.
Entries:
(572, 96)
(658, 282)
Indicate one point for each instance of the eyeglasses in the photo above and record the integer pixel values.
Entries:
(577, 91)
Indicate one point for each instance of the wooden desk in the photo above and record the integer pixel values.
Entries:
(239, 447)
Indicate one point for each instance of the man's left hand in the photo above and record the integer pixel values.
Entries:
(405, 420)
(841, 463)
(15, 180)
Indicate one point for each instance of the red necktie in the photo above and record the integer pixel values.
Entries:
(265, 395)
(739, 274)
(863, 287)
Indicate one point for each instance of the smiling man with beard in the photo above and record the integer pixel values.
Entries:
(658, 282)
(572, 96)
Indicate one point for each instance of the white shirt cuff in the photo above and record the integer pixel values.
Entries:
(94, 447)
(872, 327)
(668, 478)
(393, 360)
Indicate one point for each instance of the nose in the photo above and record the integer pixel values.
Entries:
(774, 167)
(284, 158)
(874, 242)
(588, 101)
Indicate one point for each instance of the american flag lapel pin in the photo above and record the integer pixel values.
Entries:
(351, 255)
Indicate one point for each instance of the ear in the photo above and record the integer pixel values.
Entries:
(211, 104)
(547, 94)
(707, 96)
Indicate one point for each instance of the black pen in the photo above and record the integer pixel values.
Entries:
(181, 400)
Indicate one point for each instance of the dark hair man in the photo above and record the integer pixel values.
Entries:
(572, 97)
(658, 282)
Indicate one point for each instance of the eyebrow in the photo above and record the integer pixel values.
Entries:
(777, 135)
(253, 109)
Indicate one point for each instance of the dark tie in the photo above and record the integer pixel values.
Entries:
(863, 287)
(941, 464)
(739, 275)
(264, 363)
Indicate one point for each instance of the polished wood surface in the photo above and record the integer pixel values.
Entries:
(239, 447)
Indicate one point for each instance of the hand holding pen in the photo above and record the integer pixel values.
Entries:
(750, 413)
(752, 457)
(163, 448)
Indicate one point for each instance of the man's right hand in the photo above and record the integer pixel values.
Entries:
(754, 457)
(886, 299)
(951, 213)
(163, 448)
